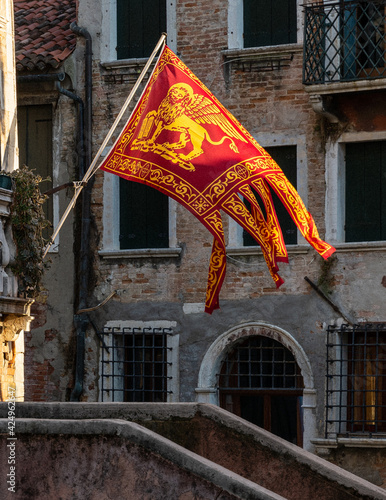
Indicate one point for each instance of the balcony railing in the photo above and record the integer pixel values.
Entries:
(344, 41)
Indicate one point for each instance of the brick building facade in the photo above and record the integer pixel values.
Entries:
(152, 340)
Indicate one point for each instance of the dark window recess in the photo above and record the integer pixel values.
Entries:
(269, 22)
(35, 148)
(135, 364)
(144, 216)
(261, 382)
(285, 157)
(365, 191)
(140, 24)
(356, 380)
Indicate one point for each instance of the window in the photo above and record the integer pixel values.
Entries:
(143, 216)
(344, 41)
(269, 22)
(356, 379)
(285, 157)
(35, 146)
(140, 24)
(261, 382)
(365, 200)
(136, 364)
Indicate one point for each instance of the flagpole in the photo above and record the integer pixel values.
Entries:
(79, 185)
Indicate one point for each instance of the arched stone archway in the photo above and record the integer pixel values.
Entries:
(207, 388)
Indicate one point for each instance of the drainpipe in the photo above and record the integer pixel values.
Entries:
(80, 134)
(81, 320)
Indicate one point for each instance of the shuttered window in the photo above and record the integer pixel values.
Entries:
(144, 216)
(140, 24)
(35, 148)
(285, 157)
(269, 22)
(365, 188)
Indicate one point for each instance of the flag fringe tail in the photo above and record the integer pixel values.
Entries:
(271, 221)
(216, 275)
(236, 209)
(297, 210)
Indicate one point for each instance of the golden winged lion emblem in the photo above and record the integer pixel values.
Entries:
(183, 112)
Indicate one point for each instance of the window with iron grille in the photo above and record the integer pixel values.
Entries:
(261, 382)
(356, 380)
(344, 41)
(135, 364)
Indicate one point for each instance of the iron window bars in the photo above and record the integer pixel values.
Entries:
(344, 41)
(356, 380)
(260, 363)
(134, 364)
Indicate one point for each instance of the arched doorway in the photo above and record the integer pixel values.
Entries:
(208, 390)
(261, 382)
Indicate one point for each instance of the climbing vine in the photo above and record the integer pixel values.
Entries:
(326, 277)
(28, 223)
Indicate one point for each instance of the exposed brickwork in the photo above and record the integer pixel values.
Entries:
(263, 101)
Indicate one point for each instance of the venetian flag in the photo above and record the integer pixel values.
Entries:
(183, 142)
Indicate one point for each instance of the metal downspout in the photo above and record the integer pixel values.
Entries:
(81, 320)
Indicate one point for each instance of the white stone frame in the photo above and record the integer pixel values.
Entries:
(207, 388)
(236, 24)
(110, 242)
(173, 384)
(109, 28)
(266, 140)
(335, 185)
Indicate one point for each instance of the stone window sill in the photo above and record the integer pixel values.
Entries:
(141, 253)
(366, 246)
(272, 57)
(125, 63)
(351, 442)
(256, 250)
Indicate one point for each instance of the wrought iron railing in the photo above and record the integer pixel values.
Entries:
(356, 380)
(344, 41)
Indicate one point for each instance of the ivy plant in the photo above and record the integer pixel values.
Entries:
(28, 223)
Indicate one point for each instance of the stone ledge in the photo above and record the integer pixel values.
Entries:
(142, 253)
(350, 442)
(256, 250)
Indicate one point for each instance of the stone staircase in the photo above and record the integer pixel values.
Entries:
(161, 451)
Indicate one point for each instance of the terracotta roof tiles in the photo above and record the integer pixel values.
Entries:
(42, 33)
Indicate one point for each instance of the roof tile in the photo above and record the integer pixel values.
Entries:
(42, 33)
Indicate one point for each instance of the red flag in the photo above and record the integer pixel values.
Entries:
(183, 142)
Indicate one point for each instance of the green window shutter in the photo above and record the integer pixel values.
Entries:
(365, 191)
(144, 216)
(35, 148)
(269, 22)
(140, 24)
(285, 157)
